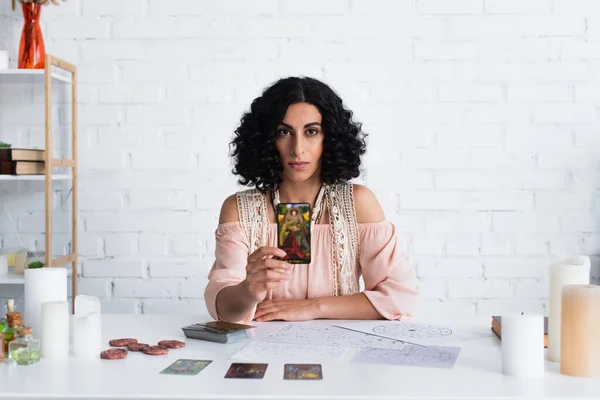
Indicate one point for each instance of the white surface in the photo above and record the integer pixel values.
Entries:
(42, 285)
(416, 332)
(12, 278)
(55, 323)
(87, 327)
(476, 374)
(572, 271)
(31, 76)
(33, 177)
(523, 345)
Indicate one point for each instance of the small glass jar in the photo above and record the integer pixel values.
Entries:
(14, 322)
(20, 261)
(35, 259)
(25, 349)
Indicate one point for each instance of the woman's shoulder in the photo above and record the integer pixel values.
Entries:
(229, 209)
(366, 205)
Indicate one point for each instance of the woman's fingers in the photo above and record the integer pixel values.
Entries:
(269, 275)
(265, 251)
(267, 263)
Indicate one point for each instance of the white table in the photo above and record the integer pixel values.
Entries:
(476, 375)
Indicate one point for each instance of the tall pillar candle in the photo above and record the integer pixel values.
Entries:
(573, 271)
(580, 326)
(87, 328)
(42, 285)
(523, 345)
(55, 330)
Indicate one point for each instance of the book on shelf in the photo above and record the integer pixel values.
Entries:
(497, 328)
(11, 154)
(22, 168)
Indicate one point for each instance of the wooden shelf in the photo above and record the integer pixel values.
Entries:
(57, 73)
(30, 76)
(33, 177)
(12, 279)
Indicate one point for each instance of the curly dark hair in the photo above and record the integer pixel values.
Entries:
(253, 148)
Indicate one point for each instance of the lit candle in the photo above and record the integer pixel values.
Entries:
(573, 271)
(523, 345)
(580, 341)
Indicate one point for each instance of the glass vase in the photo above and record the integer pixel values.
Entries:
(32, 52)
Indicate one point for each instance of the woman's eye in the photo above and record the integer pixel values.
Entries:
(283, 132)
(312, 132)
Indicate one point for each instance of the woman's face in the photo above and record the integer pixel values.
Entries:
(299, 140)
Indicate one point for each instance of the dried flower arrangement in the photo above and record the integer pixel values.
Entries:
(42, 2)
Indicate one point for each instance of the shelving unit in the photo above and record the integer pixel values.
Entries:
(32, 76)
(65, 74)
(33, 177)
(12, 279)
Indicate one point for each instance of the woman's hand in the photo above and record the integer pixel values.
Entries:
(287, 310)
(264, 273)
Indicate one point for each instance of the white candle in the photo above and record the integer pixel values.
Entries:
(55, 330)
(573, 271)
(87, 328)
(523, 345)
(42, 285)
(580, 339)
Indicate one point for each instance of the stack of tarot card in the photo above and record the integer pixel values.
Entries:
(217, 331)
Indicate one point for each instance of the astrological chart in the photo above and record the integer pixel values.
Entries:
(290, 353)
(414, 356)
(331, 336)
(408, 332)
(414, 333)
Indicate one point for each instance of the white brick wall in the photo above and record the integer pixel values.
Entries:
(483, 148)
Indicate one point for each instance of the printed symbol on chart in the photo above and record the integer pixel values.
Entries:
(412, 331)
(410, 355)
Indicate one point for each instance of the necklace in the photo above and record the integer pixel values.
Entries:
(317, 210)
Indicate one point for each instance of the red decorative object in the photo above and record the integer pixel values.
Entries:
(32, 52)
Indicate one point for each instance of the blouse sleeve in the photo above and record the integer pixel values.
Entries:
(390, 280)
(229, 268)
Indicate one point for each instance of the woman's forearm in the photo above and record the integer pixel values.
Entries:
(234, 303)
(356, 306)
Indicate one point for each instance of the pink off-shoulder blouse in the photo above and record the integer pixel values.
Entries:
(389, 279)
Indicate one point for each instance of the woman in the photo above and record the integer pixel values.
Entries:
(298, 144)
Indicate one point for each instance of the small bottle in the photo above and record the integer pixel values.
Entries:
(9, 332)
(25, 349)
(8, 307)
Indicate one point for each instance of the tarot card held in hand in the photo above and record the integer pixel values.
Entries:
(186, 367)
(243, 370)
(293, 231)
(302, 371)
